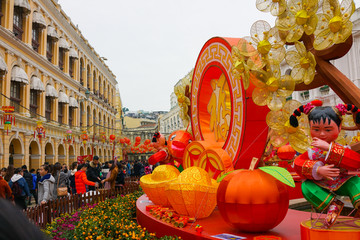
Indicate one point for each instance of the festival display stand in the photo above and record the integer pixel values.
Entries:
(233, 80)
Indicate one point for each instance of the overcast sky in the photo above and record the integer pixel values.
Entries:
(151, 44)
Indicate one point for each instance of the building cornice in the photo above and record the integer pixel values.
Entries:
(55, 13)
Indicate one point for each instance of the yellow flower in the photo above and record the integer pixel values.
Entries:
(275, 7)
(271, 90)
(268, 43)
(241, 55)
(183, 101)
(334, 26)
(299, 17)
(303, 64)
(282, 132)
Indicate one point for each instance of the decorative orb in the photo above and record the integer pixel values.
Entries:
(154, 184)
(193, 194)
(252, 201)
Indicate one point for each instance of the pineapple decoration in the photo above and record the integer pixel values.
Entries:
(39, 130)
(8, 118)
(84, 137)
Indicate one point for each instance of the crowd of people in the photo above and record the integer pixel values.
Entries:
(50, 181)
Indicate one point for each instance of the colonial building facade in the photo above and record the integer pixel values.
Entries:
(50, 73)
(171, 121)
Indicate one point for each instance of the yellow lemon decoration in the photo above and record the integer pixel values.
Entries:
(154, 184)
(193, 194)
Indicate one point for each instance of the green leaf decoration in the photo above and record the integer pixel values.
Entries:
(223, 176)
(280, 174)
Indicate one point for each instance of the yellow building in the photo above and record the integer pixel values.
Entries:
(118, 125)
(50, 72)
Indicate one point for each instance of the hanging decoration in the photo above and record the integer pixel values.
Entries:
(39, 130)
(84, 137)
(103, 137)
(8, 118)
(112, 138)
(69, 136)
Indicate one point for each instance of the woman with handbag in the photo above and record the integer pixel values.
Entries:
(61, 180)
(46, 185)
(111, 177)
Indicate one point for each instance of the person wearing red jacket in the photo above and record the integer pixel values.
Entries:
(81, 179)
(5, 190)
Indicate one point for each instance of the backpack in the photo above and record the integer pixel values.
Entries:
(72, 181)
(29, 180)
(16, 189)
(120, 179)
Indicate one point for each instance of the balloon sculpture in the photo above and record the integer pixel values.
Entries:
(171, 151)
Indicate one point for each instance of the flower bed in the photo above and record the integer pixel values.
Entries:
(112, 219)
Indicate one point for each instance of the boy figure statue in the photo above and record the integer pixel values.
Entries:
(325, 165)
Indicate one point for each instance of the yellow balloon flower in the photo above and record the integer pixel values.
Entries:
(283, 133)
(275, 7)
(303, 64)
(300, 17)
(242, 54)
(271, 90)
(334, 24)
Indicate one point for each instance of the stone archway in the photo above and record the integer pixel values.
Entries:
(34, 155)
(109, 156)
(72, 157)
(82, 151)
(100, 155)
(88, 151)
(49, 153)
(16, 154)
(95, 152)
(61, 154)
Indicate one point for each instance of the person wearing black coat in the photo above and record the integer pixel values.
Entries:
(93, 172)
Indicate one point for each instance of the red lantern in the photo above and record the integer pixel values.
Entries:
(252, 200)
(112, 138)
(8, 118)
(286, 152)
(122, 141)
(137, 139)
(147, 142)
(39, 130)
(84, 137)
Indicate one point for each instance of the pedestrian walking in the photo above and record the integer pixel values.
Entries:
(19, 188)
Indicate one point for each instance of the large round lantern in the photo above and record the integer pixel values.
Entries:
(254, 200)
(286, 152)
(137, 139)
(112, 137)
(122, 141)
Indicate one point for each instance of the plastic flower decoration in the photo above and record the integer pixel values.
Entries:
(268, 43)
(241, 55)
(271, 90)
(282, 132)
(303, 64)
(299, 17)
(334, 24)
(275, 7)
(184, 103)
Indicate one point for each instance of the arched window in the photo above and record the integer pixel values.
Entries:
(82, 72)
